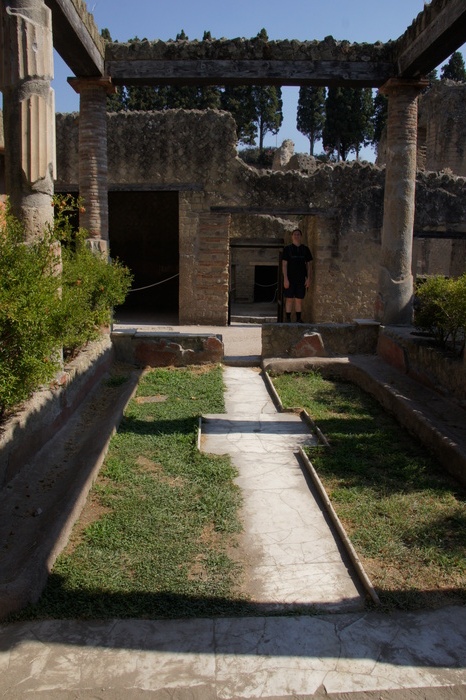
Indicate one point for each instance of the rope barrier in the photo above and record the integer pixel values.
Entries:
(138, 289)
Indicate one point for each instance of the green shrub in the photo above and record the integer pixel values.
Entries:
(441, 310)
(91, 284)
(29, 313)
(41, 311)
(91, 287)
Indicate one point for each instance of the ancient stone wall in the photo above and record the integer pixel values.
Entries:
(222, 200)
(441, 129)
(445, 141)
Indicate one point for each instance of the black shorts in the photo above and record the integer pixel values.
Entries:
(296, 290)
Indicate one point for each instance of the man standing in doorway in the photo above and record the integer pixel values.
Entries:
(296, 268)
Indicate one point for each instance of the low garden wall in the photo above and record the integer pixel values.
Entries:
(28, 429)
(155, 349)
(417, 357)
(401, 347)
(319, 340)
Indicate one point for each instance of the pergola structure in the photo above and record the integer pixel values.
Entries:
(30, 29)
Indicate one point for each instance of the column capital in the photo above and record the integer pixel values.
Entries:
(399, 84)
(104, 82)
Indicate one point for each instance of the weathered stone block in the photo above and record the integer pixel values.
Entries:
(146, 349)
(311, 345)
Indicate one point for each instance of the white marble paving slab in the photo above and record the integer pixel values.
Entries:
(296, 558)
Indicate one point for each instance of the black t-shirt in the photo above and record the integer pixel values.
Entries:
(296, 257)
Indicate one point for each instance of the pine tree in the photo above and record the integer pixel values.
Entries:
(454, 69)
(362, 118)
(268, 105)
(348, 120)
(310, 116)
(337, 134)
(269, 111)
(239, 101)
(379, 117)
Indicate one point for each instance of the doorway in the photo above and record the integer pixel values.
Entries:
(144, 235)
(265, 284)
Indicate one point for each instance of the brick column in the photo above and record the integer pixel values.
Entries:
(395, 292)
(28, 111)
(204, 263)
(93, 170)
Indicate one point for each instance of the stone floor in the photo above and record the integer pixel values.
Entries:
(295, 557)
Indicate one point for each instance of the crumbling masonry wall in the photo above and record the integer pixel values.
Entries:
(221, 199)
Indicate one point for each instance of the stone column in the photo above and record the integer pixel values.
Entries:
(28, 111)
(93, 170)
(394, 303)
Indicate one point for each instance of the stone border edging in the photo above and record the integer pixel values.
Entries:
(368, 587)
(304, 415)
(366, 582)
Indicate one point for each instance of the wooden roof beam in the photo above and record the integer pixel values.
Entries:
(249, 72)
(432, 38)
(76, 39)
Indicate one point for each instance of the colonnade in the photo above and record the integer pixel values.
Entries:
(26, 72)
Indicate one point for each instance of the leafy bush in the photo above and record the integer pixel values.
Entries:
(91, 285)
(441, 310)
(29, 313)
(42, 311)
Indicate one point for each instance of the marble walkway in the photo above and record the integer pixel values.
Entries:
(294, 557)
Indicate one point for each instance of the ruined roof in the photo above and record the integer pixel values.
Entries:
(251, 49)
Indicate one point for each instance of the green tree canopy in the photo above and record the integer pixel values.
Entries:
(454, 69)
(348, 120)
(310, 116)
(363, 118)
(269, 111)
(239, 101)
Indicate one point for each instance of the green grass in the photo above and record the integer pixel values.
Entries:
(158, 535)
(404, 515)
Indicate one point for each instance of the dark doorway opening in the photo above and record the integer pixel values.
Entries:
(143, 232)
(265, 283)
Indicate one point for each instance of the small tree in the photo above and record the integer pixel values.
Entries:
(310, 116)
(362, 121)
(337, 134)
(269, 115)
(454, 69)
(239, 101)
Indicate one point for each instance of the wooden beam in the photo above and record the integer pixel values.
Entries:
(434, 42)
(442, 235)
(276, 211)
(73, 41)
(249, 72)
(256, 243)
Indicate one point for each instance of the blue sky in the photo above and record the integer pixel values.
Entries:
(356, 21)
